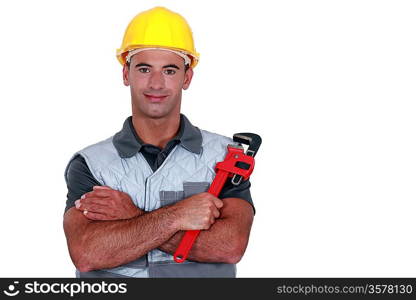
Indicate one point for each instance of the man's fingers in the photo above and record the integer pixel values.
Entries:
(82, 204)
(96, 206)
(216, 213)
(96, 216)
(218, 203)
(98, 193)
(95, 200)
(96, 209)
(101, 187)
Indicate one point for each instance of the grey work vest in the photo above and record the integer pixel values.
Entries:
(182, 174)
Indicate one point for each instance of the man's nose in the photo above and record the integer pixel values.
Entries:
(157, 81)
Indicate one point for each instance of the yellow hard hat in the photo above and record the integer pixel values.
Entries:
(158, 28)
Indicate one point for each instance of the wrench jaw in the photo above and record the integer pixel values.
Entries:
(253, 141)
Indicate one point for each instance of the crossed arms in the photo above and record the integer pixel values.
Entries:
(114, 231)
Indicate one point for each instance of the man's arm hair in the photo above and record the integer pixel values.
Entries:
(105, 244)
(226, 240)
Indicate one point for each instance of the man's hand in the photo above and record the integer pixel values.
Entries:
(104, 203)
(197, 212)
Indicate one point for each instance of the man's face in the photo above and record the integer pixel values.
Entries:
(156, 79)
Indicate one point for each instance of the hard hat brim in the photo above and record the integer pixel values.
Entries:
(122, 53)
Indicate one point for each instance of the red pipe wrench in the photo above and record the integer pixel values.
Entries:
(238, 165)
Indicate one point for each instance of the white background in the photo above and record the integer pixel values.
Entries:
(329, 85)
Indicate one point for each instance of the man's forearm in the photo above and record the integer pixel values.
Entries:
(218, 244)
(107, 244)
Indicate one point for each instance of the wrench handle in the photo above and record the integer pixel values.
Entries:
(190, 236)
(185, 245)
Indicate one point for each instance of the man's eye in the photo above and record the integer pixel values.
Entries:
(144, 70)
(170, 71)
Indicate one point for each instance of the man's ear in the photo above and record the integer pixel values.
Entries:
(188, 78)
(126, 75)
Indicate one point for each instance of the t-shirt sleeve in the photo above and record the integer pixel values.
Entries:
(240, 191)
(79, 180)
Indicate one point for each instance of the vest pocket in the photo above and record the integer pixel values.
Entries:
(189, 189)
(170, 197)
(192, 188)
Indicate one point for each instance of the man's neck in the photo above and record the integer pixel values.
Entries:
(157, 132)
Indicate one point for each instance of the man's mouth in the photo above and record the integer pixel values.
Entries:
(155, 98)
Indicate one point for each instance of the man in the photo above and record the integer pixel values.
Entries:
(132, 196)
